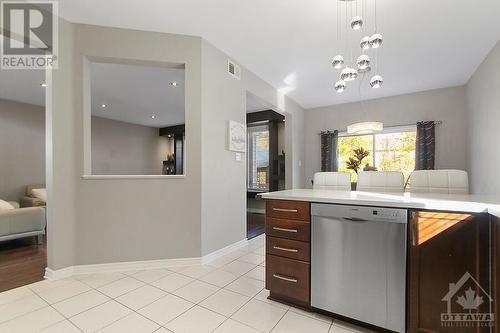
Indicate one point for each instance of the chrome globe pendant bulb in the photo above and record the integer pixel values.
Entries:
(340, 86)
(376, 82)
(363, 62)
(338, 62)
(376, 41)
(348, 74)
(365, 43)
(356, 22)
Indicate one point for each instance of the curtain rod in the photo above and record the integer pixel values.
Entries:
(436, 122)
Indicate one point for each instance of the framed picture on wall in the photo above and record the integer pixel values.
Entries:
(237, 135)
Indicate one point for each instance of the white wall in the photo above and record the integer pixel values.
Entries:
(22, 148)
(120, 148)
(447, 105)
(483, 101)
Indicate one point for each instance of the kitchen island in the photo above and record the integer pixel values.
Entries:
(451, 250)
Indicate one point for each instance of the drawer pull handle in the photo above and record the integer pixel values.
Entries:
(285, 230)
(287, 279)
(285, 249)
(285, 210)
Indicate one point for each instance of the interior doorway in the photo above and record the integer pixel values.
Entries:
(23, 194)
(265, 159)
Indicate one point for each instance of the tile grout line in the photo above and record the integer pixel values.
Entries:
(72, 279)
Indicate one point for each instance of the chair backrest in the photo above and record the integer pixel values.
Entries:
(439, 181)
(339, 181)
(380, 181)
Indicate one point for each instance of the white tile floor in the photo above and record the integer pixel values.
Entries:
(226, 296)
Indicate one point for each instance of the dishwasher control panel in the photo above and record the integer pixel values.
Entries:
(388, 214)
(360, 213)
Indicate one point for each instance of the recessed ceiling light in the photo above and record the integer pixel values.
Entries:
(43, 84)
(153, 117)
(103, 106)
(174, 84)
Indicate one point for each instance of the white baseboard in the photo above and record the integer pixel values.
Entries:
(51, 274)
(119, 267)
(222, 252)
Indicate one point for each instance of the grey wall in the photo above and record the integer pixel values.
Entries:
(98, 220)
(483, 101)
(22, 148)
(120, 148)
(119, 219)
(447, 105)
(224, 178)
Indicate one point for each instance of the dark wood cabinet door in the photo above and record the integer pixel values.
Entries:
(292, 210)
(288, 278)
(288, 248)
(289, 229)
(449, 272)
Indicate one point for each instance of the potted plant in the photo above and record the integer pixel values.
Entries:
(354, 163)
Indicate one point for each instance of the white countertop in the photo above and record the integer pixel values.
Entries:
(444, 202)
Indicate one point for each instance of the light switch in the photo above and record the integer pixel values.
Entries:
(237, 156)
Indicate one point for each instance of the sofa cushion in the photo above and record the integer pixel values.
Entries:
(4, 205)
(40, 193)
(30, 188)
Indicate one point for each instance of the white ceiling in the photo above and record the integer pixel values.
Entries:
(131, 93)
(134, 94)
(428, 44)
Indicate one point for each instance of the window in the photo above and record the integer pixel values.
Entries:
(258, 157)
(390, 150)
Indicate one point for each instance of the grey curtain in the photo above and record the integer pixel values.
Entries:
(329, 147)
(426, 145)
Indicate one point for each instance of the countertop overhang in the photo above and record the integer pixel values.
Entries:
(441, 202)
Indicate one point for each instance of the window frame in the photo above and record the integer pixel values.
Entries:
(386, 130)
(250, 160)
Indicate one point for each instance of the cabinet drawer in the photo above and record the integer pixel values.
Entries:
(289, 229)
(288, 248)
(288, 278)
(283, 209)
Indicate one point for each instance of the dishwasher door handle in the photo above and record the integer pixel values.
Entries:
(354, 219)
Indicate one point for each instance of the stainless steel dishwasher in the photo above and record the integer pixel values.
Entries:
(358, 263)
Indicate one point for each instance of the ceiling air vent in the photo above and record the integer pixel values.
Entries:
(233, 70)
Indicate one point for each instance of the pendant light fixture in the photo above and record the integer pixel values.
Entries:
(348, 13)
(353, 19)
(366, 127)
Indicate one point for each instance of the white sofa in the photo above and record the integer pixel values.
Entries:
(22, 222)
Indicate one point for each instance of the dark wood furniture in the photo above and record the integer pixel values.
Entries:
(444, 248)
(177, 132)
(288, 253)
(453, 263)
